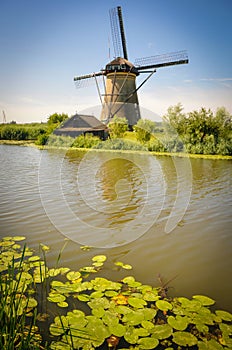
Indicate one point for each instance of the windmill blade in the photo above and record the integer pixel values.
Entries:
(118, 33)
(158, 61)
(86, 80)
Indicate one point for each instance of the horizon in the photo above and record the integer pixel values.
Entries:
(44, 45)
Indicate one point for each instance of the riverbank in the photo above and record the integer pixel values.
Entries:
(30, 143)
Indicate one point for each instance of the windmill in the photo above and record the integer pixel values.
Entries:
(119, 76)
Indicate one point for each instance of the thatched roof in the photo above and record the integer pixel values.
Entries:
(79, 124)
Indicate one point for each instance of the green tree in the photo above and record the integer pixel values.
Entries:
(55, 119)
(118, 126)
(144, 129)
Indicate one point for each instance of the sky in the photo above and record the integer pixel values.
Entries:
(45, 43)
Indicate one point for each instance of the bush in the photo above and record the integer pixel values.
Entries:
(86, 141)
(120, 144)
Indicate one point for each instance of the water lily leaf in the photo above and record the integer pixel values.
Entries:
(6, 243)
(88, 269)
(142, 332)
(73, 275)
(111, 293)
(133, 318)
(148, 343)
(163, 305)
(202, 328)
(190, 305)
(124, 266)
(136, 302)
(147, 325)
(204, 300)
(162, 331)
(56, 330)
(99, 302)
(44, 247)
(56, 298)
(130, 280)
(122, 309)
(110, 318)
(62, 304)
(85, 247)
(118, 330)
(130, 336)
(179, 323)
(64, 270)
(226, 329)
(98, 312)
(34, 258)
(54, 272)
(151, 296)
(99, 258)
(96, 294)
(83, 297)
(31, 303)
(97, 264)
(184, 339)
(148, 313)
(18, 238)
(210, 345)
(224, 315)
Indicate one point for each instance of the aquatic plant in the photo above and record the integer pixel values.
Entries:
(96, 312)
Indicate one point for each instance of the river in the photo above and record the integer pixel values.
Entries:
(163, 215)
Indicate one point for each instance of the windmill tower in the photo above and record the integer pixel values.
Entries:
(119, 76)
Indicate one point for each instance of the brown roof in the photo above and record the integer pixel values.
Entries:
(83, 123)
(121, 60)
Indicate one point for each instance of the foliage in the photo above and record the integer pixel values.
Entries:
(122, 314)
(22, 131)
(201, 131)
(144, 129)
(118, 127)
(86, 141)
(120, 144)
(57, 119)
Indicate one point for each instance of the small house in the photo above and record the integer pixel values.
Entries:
(80, 124)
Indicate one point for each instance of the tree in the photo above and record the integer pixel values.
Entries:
(56, 119)
(118, 126)
(144, 129)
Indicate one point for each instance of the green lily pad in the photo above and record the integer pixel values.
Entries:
(118, 330)
(147, 325)
(130, 336)
(179, 323)
(96, 295)
(99, 302)
(99, 258)
(124, 266)
(83, 297)
(148, 313)
(204, 300)
(19, 238)
(184, 339)
(56, 298)
(73, 275)
(130, 280)
(202, 328)
(190, 305)
(162, 331)
(136, 302)
(224, 315)
(98, 312)
(148, 343)
(133, 318)
(210, 345)
(62, 304)
(163, 305)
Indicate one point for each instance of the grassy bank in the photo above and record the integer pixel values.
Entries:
(167, 154)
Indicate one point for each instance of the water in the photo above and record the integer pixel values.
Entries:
(161, 215)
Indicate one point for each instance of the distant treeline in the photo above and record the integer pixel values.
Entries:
(198, 132)
(22, 132)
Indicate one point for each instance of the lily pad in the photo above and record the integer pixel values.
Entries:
(137, 302)
(73, 275)
(148, 343)
(184, 339)
(118, 330)
(204, 300)
(162, 331)
(179, 323)
(99, 258)
(224, 315)
(163, 305)
(133, 318)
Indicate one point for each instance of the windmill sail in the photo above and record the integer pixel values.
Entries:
(118, 33)
(158, 61)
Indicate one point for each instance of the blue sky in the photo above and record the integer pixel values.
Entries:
(45, 43)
